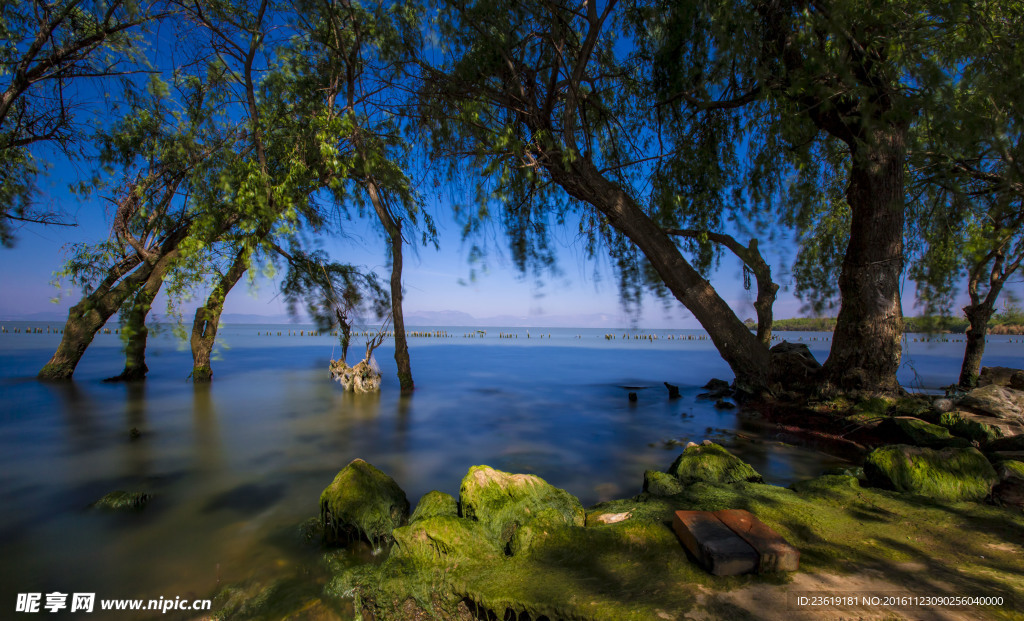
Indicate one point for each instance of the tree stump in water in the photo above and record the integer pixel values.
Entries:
(363, 377)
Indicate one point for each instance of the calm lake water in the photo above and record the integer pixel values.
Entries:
(235, 466)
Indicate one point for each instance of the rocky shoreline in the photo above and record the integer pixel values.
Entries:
(936, 508)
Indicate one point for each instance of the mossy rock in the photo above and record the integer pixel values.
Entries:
(1010, 489)
(122, 501)
(435, 504)
(948, 474)
(912, 406)
(876, 406)
(503, 502)
(967, 427)
(444, 538)
(711, 463)
(915, 431)
(657, 483)
(362, 502)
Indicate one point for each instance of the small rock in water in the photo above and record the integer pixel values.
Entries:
(134, 433)
(122, 501)
(632, 397)
(722, 404)
(673, 391)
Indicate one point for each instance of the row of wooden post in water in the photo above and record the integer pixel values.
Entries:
(508, 335)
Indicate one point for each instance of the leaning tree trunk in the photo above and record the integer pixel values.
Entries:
(204, 326)
(868, 339)
(747, 356)
(90, 314)
(394, 231)
(135, 368)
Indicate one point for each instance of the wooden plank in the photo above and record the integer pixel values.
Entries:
(775, 552)
(715, 546)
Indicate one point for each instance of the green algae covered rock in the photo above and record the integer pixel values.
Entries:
(949, 474)
(920, 433)
(503, 502)
(1010, 489)
(658, 483)
(711, 463)
(122, 501)
(968, 426)
(435, 504)
(439, 538)
(362, 502)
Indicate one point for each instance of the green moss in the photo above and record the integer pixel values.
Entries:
(920, 433)
(435, 504)
(969, 428)
(54, 371)
(122, 501)
(661, 484)
(636, 569)
(362, 501)
(949, 474)
(711, 463)
(503, 502)
(826, 485)
(912, 406)
(444, 537)
(876, 406)
(1012, 469)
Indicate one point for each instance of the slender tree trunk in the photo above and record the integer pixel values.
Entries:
(135, 368)
(90, 314)
(394, 231)
(867, 343)
(204, 326)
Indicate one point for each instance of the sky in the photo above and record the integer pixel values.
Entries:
(439, 289)
(438, 283)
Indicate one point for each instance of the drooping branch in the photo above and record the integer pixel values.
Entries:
(752, 259)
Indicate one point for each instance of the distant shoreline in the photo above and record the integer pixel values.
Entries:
(915, 325)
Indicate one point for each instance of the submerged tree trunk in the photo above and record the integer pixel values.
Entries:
(394, 231)
(868, 341)
(90, 314)
(204, 326)
(135, 368)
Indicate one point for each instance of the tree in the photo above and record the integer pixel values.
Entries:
(542, 96)
(359, 55)
(50, 49)
(969, 184)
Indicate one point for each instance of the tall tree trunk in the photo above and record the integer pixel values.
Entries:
(135, 368)
(90, 314)
(394, 231)
(204, 325)
(747, 356)
(867, 343)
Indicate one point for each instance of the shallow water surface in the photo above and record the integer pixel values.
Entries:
(235, 466)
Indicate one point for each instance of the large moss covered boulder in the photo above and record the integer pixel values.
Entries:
(711, 463)
(362, 502)
(948, 474)
(503, 502)
(971, 426)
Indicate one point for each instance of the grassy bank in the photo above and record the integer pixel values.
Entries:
(1004, 323)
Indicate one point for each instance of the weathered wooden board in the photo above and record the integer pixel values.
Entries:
(713, 544)
(775, 552)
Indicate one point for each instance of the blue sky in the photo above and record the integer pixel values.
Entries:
(435, 280)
